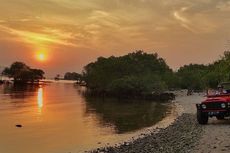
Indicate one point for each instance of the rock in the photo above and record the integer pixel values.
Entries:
(18, 126)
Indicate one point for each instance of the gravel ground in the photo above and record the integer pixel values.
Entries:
(180, 137)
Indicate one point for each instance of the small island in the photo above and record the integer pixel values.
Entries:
(23, 74)
(136, 75)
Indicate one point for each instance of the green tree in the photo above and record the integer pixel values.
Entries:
(137, 73)
(192, 76)
(199, 76)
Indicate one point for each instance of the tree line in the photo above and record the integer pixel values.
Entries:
(200, 76)
(139, 73)
(135, 74)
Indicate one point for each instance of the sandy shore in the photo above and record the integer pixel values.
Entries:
(183, 135)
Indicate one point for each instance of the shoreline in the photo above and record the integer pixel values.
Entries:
(170, 117)
(177, 132)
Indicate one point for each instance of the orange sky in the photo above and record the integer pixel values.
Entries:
(71, 33)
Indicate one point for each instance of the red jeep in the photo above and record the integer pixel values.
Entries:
(216, 104)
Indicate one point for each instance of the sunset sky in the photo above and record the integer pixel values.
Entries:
(64, 35)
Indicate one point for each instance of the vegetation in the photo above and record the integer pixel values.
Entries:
(57, 77)
(192, 76)
(73, 76)
(199, 76)
(142, 74)
(135, 74)
(21, 73)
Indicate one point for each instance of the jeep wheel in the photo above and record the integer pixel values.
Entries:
(202, 117)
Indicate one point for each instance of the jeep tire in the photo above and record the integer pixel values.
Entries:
(202, 117)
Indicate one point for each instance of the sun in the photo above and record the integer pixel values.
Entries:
(41, 56)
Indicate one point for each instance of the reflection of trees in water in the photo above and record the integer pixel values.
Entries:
(20, 91)
(125, 116)
(80, 89)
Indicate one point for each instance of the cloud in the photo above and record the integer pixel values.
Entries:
(184, 22)
(92, 28)
(180, 18)
(161, 28)
(104, 18)
(99, 14)
(224, 6)
(195, 20)
(24, 20)
(48, 37)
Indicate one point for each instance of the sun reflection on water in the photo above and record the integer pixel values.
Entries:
(40, 100)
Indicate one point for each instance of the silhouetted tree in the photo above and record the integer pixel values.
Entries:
(20, 72)
(57, 77)
(73, 76)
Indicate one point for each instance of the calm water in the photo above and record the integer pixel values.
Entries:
(56, 118)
